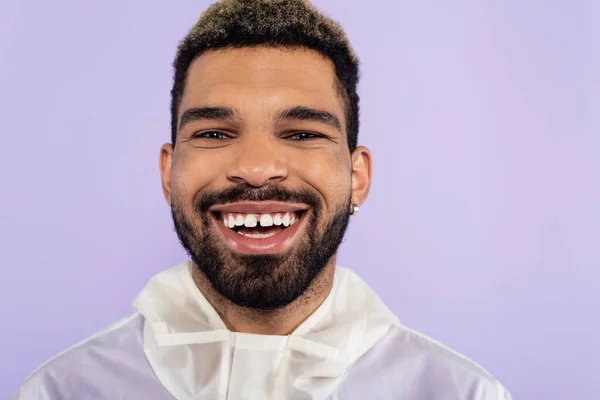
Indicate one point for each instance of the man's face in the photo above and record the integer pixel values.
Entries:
(261, 179)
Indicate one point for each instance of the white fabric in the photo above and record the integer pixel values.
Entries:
(351, 348)
(195, 356)
(406, 365)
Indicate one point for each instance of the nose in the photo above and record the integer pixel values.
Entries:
(257, 165)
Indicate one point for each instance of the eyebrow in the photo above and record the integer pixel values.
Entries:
(302, 113)
(297, 113)
(207, 113)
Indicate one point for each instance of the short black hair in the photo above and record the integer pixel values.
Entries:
(272, 23)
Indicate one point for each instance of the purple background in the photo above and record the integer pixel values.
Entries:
(483, 225)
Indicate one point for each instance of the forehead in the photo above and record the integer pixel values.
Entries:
(262, 78)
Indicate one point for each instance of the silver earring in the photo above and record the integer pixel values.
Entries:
(354, 209)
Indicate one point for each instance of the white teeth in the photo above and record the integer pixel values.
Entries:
(257, 235)
(231, 220)
(266, 220)
(239, 220)
(250, 221)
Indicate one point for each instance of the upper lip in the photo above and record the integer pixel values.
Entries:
(259, 207)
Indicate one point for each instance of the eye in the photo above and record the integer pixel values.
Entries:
(301, 136)
(211, 135)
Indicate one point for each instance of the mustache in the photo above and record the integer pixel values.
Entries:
(246, 192)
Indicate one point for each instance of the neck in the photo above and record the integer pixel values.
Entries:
(277, 322)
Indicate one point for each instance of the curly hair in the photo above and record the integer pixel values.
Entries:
(272, 23)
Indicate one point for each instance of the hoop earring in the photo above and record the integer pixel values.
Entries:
(354, 208)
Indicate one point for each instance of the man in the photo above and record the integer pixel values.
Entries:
(262, 175)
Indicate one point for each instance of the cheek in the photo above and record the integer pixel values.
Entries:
(191, 172)
(330, 175)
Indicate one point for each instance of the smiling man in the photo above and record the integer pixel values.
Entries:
(262, 175)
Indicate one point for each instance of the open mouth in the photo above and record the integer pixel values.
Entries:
(260, 228)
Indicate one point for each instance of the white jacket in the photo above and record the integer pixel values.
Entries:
(176, 347)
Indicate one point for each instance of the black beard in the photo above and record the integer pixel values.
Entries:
(260, 282)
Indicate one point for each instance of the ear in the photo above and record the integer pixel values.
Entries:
(166, 160)
(361, 174)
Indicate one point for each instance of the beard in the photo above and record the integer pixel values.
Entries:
(261, 282)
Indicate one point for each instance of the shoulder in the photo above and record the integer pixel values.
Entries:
(406, 364)
(98, 367)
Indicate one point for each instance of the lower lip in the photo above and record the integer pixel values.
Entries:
(278, 243)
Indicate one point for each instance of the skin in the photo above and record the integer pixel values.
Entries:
(259, 149)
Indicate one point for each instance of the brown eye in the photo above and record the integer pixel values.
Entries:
(300, 136)
(211, 135)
